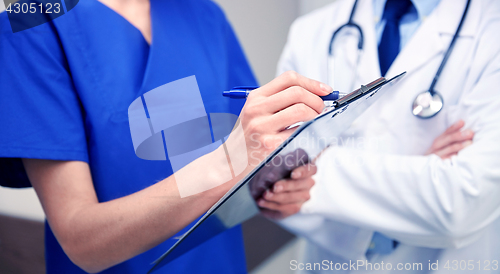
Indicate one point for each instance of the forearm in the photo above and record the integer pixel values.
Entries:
(99, 235)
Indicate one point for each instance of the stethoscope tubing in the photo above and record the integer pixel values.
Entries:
(447, 54)
(450, 49)
(349, 23)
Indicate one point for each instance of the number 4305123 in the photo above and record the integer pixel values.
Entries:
(471, 265)
(34, 8)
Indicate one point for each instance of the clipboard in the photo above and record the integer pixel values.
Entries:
(309, 140)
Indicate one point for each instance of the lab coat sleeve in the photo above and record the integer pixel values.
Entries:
(423, 200)
(343, 240)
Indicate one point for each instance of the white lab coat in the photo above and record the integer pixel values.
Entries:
(376, 178)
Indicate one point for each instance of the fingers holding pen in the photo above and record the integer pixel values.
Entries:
(295, 95)
(285, 91)
(290, 79)
(290, 107)
(272, 108)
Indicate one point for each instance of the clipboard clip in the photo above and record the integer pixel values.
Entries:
(363, 90)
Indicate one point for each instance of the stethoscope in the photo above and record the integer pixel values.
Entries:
(428, 103)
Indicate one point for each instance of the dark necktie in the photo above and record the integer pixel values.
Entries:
(388, 48)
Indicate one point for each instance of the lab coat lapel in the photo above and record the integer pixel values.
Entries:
(425, 44)
(428, 41)
(450, 15)
(369, 69)
(346, 55)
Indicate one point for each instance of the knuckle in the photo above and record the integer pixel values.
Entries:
(296, 208)
(274, 207)
(266, 204)
(434, 147)
(250, 110)
(319, 105)
(262, 203)
(269, 141)
(448, 139)
(285, 187)
(291, 75)
(252, 127)
(282, 199)
(251, 96)
(456, 136)
(456, 147)
(301, 110)
(275, 198)
(436, 142)
(308, 171)
(297, 93)
(305, 183)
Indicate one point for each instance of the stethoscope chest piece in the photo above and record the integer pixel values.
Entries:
(427, 104)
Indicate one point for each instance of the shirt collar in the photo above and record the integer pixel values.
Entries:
(424, 8)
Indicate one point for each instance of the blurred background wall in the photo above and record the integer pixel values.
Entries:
(262, 27)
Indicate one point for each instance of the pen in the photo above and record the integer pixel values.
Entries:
(243, 91)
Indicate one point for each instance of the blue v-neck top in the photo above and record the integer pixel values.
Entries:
(65, 88)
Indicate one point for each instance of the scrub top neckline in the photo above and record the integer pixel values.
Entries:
(130, 24)
(150, 47)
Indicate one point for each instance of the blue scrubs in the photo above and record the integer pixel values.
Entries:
(65, 88)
